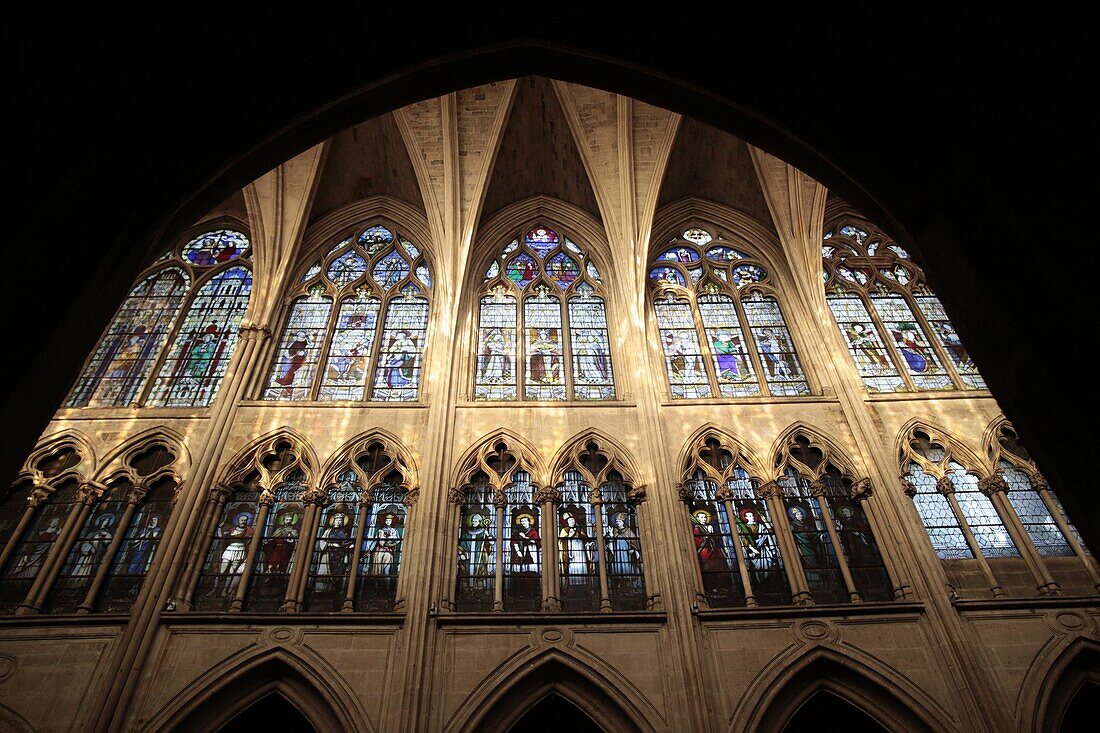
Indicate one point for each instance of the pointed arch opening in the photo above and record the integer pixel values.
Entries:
(1067, 692)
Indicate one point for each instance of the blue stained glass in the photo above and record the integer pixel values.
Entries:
(864, 344)
(1034, 515)
(980, 514)
(759, 545)
(745, 274)
(390, 270)
(88, 552)
(732, 364)
(668, 275)
(346, 268)
(541, 240)
(714, 551)
(679, 254)
(278, 547)
(312, 272)
(522, 269)
(398, 374)
(33, 547)
(578, 566)
(572, 247)
(698, 236)
(493, 271)
(510, 247)
(775, 346)
(296, 358)
(216, 247)
(330, 564)
(683, 356)
(477, 556)
(909, 338)
(425, 276)
(562, 270)
(193, 371)
(592, 373)
(938, 518)
(376, 235)
(410, 249)
(496, 359)
(812, 540)
(725, 254)
(345, 373)
(592, 271)
(898, 251)
(934, 312)
(854, 232)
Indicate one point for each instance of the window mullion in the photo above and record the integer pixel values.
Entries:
(254, 543)
(326, 347)
(567, 348)
(132, 501)
(173, 333)
(817, 491)
(933, 340)
(705, 353)
(947, 488)
(750, 345)
(366, 503)
(889, 345)
(377, 346)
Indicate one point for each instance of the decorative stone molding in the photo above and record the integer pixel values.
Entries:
(545, 495)
(410, 497)
(89, 491)
(456, 495)
(862, 489)
(220, 493)
(37, 496)
(595, 496)
(908, 488)
(637, 495)
(315, 495)
(770, 490)
(817, 488)
(724, 494)
(500, 498)
(1039, 482)
(991, 485)
(945, 486)
(267, 498)
(685, 494)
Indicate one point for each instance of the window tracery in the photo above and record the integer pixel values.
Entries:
(357, 324)
(721, 327)
(210, 269)
(887, 314)
(560, 330)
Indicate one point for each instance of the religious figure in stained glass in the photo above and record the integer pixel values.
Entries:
(897, 331)
(386, 549)
(370, 345)
(624, 550)
(744, 348)
(548, 303)
(576, 550)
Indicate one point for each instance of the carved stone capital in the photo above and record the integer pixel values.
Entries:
(89, 491)
(637, 495)
(908, 487)
(252, 332)
(595, 496)
(456, 495)
(267, 498)
(220, 493)
(500, 498)
(136, 493)
(862, 489)
(546, 494)
(37, 496)
(945, 486)
(1039, 482)
(315, 495)
(991, 485)
(770, 490)
(410, 497)
(724, 494)
(817, 488)
(685, 493)
(366, 497)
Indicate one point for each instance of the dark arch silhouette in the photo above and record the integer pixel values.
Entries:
(1068, 695)
(271, 712)
(824, 680)
(556, 682)
(824, 705)
(554, 713)
(228, 697)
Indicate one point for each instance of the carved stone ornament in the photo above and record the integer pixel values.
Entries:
(724, 494)
(817, 488)
(769, 490)
(595, 496)
(136, 493)
(220, 493)
(908, 487)
(685, 493)
(500, 497)
(37, 496)
(546, 494)
(1039, 482)
(366, 497)
(456, 495)
(410, 497)
(862, 489)
(89, 491)
(267, 498)
(315, 495)
(991, 485)
(253, 332)
(945, 486)
(637, 495)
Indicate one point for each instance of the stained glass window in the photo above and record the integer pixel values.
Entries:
(577, 561)
(622, 548)
(477, 550)
(937, 516)
(89, 550)
(278, 547)
(380, 556)
(543, 309)
(1033, 513)
(523, 554)
(333, 548)
(139, 547)
(721, 327)
(713, 538)
(759, 546)
(196, 363)
(980, 514)
(371, 345)
(225, 560)
(118, 372)
(811, 539)
(897, 331)
(33, 547)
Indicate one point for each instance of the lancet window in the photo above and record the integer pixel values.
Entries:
(736, 548)
(543, 307)
(721, 327)
(961, 521)
(357, 323)
(825, 512)
(188, 354)
(896, 329)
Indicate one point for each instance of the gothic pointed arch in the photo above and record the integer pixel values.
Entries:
(715, 289)
(1050, 686)
(233, 685)
(608, 455)
(703, 450)
(542, 330)
(604, 695)
(271, 456)
(479, 456)
(887, 697)
(127, 459)
(357, 310)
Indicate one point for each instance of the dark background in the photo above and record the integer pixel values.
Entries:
(968, 136)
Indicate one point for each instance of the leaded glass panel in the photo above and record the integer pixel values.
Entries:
(545, 368)
(380, 556)
(477, 554)
(622, 549)
(330, 563)
(216, 247)
(89, 551)
(349, 354)
(277, 552)
(711, 532)
(299, 350)
(937, 516)
(397, 378)
(756, 531)
(1033, 513)
(578, 565)
(936, 316)
(732, 365)
(909, 338)
(139, 547)
(683, 356)
(861, 552)
(592, 375)
(523, 565)
(864, 344)
(496, 372)
(116, 373)
(812, 540)
(980, 514)
(30, 554)
(775, 346)
(225, 560)
(193, 372)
